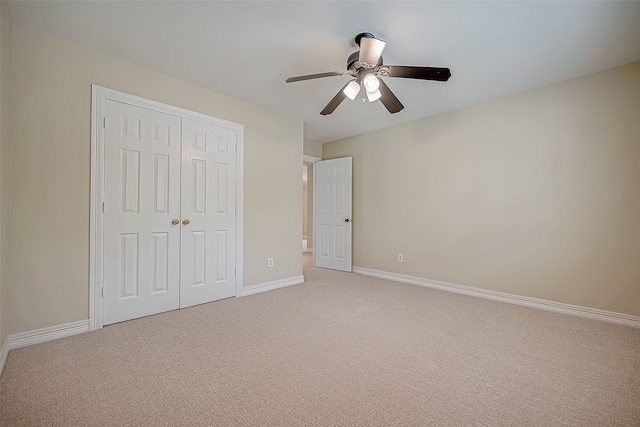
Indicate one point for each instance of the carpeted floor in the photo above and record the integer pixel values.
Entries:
(340, 349)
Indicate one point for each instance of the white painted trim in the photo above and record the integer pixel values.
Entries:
(269, 286)
(38, 336)
(4, 352)
(99, 96)
(574, 310)
(315, 200)
(96, 317)
(310, 159)
(240, 211)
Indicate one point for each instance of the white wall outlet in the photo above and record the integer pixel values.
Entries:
(269, 262)
(400, 257)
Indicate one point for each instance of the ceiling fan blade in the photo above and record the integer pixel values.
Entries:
(314, 76)
(333, 104)
(371, 50)
(423, 73)
(388, 99)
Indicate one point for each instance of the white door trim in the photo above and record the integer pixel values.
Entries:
(99, 96)
(312, 159)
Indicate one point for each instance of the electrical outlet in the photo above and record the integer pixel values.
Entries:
(269, 262)
(400, 257)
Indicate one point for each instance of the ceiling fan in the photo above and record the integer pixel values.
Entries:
(366, 67)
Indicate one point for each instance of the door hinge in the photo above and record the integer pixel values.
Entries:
(102, 288)
(104, 122)
(103, 207)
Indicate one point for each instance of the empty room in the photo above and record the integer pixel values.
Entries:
(319, 213)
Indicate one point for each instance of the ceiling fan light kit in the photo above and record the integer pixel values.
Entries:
(352, 90)
(366, 66)
(373, 95)
(371, 82)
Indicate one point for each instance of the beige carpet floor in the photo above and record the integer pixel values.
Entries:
(341, 349)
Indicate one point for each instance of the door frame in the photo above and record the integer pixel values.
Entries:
(99, 97)
(312, 159)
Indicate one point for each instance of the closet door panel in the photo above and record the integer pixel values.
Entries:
(142, 197)
(208, 212)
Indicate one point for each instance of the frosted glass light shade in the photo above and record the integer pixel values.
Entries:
(352, 90)
(370, 50)
(371, 83)
(374, 95)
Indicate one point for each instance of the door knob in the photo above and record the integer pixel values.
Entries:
(347, 220)
(185, 222)
(175, 222)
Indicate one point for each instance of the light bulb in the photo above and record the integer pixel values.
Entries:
(352, 89)
(371, 83)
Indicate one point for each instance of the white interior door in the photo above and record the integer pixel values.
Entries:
(170, 212)
(333, 190)
(208, 213)
(142, 197)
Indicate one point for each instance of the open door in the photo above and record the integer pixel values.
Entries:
(333, 219)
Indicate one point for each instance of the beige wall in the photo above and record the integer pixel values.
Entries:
(312, 148)
(50, 174)
(5, 134)
(536, 194)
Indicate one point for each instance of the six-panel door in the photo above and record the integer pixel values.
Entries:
(208, 204)
(333, 219)
(169, 216)
(142, 197)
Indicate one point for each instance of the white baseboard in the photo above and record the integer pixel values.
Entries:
(574, 310)
(269, 286)
(4, 352)
(38, 336)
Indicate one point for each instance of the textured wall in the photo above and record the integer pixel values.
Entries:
(536, 194)
(5, 135)
(313, 148)
(51, 181)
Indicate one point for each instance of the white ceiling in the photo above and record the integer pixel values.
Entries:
(247, 49)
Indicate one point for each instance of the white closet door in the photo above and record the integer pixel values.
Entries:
(208, 213)
(142, 197)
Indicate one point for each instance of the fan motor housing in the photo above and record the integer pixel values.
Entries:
(353, 61)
